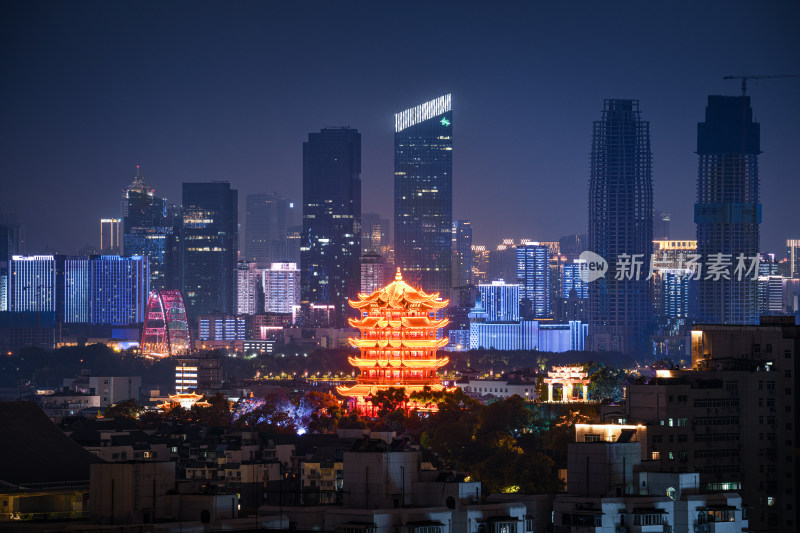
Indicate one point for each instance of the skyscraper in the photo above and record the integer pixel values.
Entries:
(10, 245)
(209, 248)
(374, 234)
(621, 227)
(249, 288)
(281, 287)
(118, 289)
(148, 230)
(423, 194)
(110, 236)
(727, 212)
(267, 218)
(462, 253)
(331, 241)
(533, 276)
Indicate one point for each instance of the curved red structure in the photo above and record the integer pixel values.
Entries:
(166, 328)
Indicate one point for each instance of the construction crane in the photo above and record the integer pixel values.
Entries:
(758, 77)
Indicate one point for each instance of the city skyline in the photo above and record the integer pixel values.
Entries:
(526, 129)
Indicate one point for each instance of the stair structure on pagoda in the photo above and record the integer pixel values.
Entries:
(398, 342)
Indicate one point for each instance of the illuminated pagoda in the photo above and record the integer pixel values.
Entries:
(398, 342)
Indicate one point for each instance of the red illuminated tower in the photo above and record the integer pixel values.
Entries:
(398, 342)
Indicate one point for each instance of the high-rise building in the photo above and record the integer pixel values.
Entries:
(500, 301)
(571, 280)
(621, 228)
(249, 288)
(331, 243)
(661, 220)
(267, 218)
(480, 263)
(10, 245)
(209, 248)
(118, 289)
(281, 287)
(110, 236)
(728, 212)
(462, 253)
(572, 246)
(77, 290)
(374, 234)
(373, 272)
(149, 230)
(793, 255)
(423, 194)
(533, 276)
(33, 282)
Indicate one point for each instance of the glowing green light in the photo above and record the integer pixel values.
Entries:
(445, 122)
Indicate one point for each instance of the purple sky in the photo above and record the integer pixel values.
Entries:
(198, 91)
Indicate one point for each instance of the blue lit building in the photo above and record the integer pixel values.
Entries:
(571, 279)
(222, 328)
(33, 283)
(500, 301)
(330, 272)
(118, 289)
(533, 276)
(76, 290)
(423, 194)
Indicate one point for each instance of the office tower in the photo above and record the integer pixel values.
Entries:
(462, 253)
(33, 282)
(10, 245)
(373, 272)
(267, 218)
(502, 262)
(673, 254)
(76, 290)
(209, 247)
(770, 295)
(480, 263)
(661, 220)
(331, 242)
(118, 289)
(110, 236)
(620, 227)
(533, 276)
(149, 230)
(793, 257)
(249, 288)
(374, 234)
(423, 194)
(223, 328)
(571, 280)
(675, 294)
(501, 302)
(572, 246)
(294, 240)
(728, 212)
(281, 287)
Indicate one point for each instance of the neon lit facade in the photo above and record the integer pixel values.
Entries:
(398, 342)
(166, 328)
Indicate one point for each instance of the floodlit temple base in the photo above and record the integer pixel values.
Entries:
(567, 377)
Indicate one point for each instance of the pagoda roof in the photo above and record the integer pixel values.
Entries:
(397, 343)
(416, 322)
(398, 363)
(399, 295)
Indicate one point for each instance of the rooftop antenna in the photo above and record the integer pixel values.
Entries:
(746, 77)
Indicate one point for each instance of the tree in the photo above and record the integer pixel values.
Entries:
(388, 400)
(126, 409)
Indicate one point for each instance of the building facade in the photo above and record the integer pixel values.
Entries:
(331, 241)
(728, 212)
(423, 194)
(462, 253)
(621, 227)
(267, 219)
(533, 276)
(281, 287)
(249, 288)
(209, 247)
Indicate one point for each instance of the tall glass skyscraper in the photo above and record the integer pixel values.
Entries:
(267, 219)
(209, 243)
(621, 222)
(462, 253)
(118, 289)
(148, 230)
(331, 239)
(728, 212)
(423, 194)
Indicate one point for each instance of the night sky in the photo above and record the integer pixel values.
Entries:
(196, 91)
